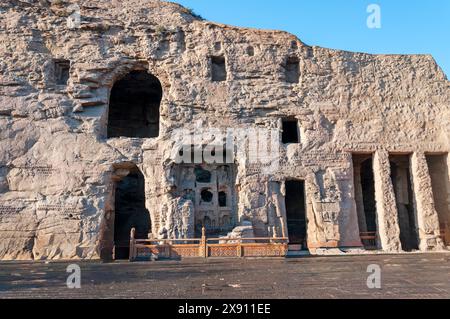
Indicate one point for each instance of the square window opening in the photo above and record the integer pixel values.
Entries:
(290, 133)
(62, 72)
(219, 72)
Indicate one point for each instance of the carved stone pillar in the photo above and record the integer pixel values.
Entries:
(405, 204)
(387, 219)
(427, 216)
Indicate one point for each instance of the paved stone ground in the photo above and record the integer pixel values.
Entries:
(403, 276)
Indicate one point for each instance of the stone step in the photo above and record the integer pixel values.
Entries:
(294, 247)
(299, 253)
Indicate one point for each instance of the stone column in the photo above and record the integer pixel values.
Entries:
(427, 216)
(408, 231)
(359, 200)
(387, 218)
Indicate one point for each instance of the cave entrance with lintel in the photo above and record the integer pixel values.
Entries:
(130, 212)
(364, 186)
(296, 213)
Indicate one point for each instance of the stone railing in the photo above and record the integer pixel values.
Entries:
(369, 240)
(147, 249)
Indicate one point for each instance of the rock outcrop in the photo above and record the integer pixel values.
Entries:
(60, 161)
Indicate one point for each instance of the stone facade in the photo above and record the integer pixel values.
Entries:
(60, 163)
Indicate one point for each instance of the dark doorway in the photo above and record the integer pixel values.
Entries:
(134, 106)
(364, 184)
(62, 71)
(290, 133)
(401, 180)
(218, 69)
(437, 166)
(296, 212)
(130, 212)
(368, 190)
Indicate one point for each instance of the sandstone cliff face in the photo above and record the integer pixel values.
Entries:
(58, 168)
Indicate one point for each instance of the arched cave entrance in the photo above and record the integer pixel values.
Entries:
(130, 212)
(134, 106)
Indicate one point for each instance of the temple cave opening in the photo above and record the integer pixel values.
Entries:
(290, 131)
(134, 106)
(218, 69)
(130, 212)
(296, 212)
(364, 185)
(404, 196)
(61, 71)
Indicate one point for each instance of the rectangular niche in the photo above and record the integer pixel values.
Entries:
(292, 70)
(62, 72)
(291, 131)
(218, 69)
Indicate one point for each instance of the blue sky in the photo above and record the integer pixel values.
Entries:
(407, 26)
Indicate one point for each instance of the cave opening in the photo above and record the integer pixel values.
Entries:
(134, 106)
(364, 185)
(62, 72)
(296, 213)
(130, 212)
(219, 70)
(290, 133)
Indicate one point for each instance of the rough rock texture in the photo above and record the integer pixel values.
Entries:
(244, 231)
(58, 168)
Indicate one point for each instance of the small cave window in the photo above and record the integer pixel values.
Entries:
(206, 196)
(292, 70)
(130, 212)
(134, 106)
(222, 199)
(290, 133)
(202, 175)
(218, 69)
(62, 71)
(250, 51)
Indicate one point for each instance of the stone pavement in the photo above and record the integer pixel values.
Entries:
(403, 276)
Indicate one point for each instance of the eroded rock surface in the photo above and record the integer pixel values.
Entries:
(59, 166)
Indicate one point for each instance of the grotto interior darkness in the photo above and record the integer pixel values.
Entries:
(134, 106)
